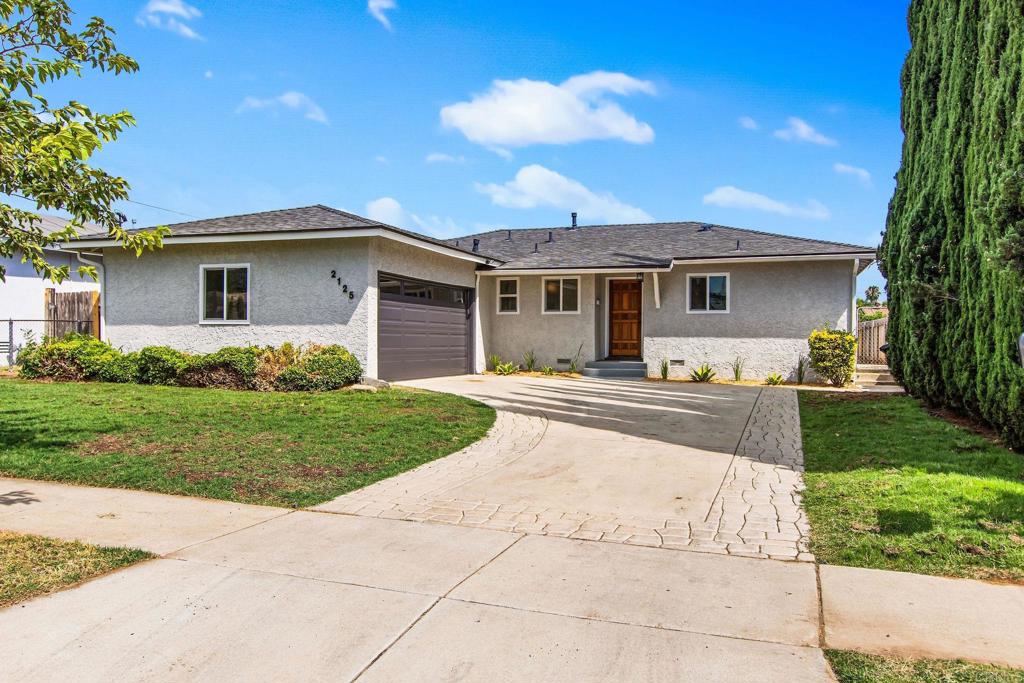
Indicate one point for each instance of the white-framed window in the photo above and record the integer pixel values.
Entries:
(560, 295)
(224, 294)
(707, 293)
(508, 296)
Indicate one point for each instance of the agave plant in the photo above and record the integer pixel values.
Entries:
(702, 374)
(774, 379)
(737, 368)
(547, 370)
(506, 368)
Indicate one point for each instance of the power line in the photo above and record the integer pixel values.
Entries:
(131, 201)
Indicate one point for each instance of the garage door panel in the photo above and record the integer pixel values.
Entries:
(421, 340)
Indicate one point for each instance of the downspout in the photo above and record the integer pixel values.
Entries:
(657, 291)
(479, 360)
(98, 265)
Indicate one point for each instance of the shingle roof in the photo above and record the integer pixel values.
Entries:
(645, 245)
(301, 219)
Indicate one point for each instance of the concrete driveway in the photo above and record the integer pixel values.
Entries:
(685, 466)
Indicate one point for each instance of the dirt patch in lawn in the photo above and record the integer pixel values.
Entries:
(118, 443)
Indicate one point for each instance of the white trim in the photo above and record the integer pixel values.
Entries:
(868, 255)
(563, 272)
(708, 311)
(498, 295)
(561, 295)
(852, 317)
(608, 313)
(203, 267)
(298, 235)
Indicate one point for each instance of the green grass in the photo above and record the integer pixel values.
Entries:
(33, 565)
(290, 449)
(853, 667)
(892, 487)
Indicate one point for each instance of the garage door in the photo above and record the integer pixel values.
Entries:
(423, 329)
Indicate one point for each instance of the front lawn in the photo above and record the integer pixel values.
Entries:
(33, 565)
(854, 667)
(290, 449)
(892, 487)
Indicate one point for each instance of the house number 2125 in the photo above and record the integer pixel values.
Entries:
(344, 288)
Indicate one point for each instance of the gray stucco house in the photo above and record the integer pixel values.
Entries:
(412, 306)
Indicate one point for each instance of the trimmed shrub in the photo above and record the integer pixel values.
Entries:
(833, 355)
(160, 365)
(233, 367)
(74, 357)
(321, 368)
(120, 368)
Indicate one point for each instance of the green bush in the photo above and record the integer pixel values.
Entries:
(833, 355)
(233, 367)
(160, 365)
(74, 357)
(120, 368)
(320, 368)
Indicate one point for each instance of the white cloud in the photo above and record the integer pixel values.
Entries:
(290, 100)
(377, 8)
(799, 130)
(862, 174)
(442, 158)
(748, 123)
(170, 15)
(734, 198)
(535, 186)
(389, 210)
(381, 159)
(208, 74)
(524, 112)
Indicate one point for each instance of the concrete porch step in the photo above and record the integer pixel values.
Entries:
(874, 376)
(615, 368)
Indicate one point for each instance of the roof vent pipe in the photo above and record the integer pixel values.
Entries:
(574, 219)
(476, 245)
(536, 247)
(551, 236)
(705, 227)
(737, 245)
(509, 235)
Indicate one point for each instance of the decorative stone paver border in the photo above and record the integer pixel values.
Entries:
(757, 511)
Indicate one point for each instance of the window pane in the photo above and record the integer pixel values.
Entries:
(507, 304)
(213, 294)
(570, 295)
(390, 286)
(238, 294)
(417, 290)
(458, 296)
(716, 300)
(698, 293)
(552, 291)
(508, 286)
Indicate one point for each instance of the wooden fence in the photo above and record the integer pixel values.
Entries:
(71, 312)
(871, 336)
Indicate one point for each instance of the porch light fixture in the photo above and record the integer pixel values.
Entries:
(640, 276)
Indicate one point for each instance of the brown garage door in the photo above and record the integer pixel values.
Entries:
(423, 329)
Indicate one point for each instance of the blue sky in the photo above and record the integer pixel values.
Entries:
(453, 117)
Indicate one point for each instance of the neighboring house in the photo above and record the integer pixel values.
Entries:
(410, 306)
(22, 307)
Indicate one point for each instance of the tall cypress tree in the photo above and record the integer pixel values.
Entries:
(953, 251)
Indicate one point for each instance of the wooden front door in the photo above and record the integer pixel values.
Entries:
(625, 298)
